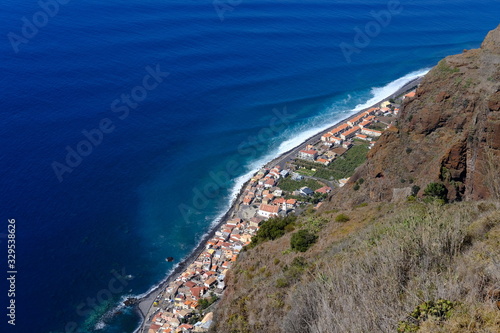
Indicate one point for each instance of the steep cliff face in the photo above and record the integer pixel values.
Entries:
(449, 132)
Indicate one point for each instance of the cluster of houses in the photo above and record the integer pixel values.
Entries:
(262, 190)
(204, 278)
(353, 128)
(175, 309)
(340, 139)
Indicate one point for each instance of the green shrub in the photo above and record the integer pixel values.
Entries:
(282, 283)
(436, 191)
(296, 268)
(206, 302)
(446, 69)
(439, 310)
(302, 240)
(299, 262)
(273, 228)
(356, 187)
(342, 218)
(315, 223)
(415, 189)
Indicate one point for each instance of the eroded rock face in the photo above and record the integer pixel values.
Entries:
(450, 132)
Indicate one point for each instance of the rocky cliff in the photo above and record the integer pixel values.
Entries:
(449, 132)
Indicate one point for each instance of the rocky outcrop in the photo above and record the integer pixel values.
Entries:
(449, 132)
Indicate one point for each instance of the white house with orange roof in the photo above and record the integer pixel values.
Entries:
(309, 155)
(336, 141)
(268, 211)
(371, 132)
(355, 120)
(290, 204)
(362, 137)
(323, 161)
(326, 137)
(270, 182)
(349, 133)
(339, 129)
(386, 110)
(364, 123)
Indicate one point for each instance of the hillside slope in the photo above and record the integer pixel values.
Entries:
(382, 263)
(370, 273)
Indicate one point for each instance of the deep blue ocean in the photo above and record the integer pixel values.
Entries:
(109, 165)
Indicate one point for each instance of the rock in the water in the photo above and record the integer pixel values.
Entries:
(131, 301)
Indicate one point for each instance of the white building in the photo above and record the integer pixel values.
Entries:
(268, 211)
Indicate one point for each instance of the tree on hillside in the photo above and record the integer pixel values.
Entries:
(436, 190)
(302, 240)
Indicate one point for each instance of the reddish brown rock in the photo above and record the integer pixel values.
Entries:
(494, 102)
(442, 96)
(449, 133)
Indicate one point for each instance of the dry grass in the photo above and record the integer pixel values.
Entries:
(423, 253)
(492, 178)
(367, 274)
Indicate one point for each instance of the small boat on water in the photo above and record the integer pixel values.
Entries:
(169, 259)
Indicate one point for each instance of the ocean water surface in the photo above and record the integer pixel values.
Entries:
(246, 80)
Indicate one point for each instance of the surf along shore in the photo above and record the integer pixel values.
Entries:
(144, 304)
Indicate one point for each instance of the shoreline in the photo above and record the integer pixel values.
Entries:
(144, 303)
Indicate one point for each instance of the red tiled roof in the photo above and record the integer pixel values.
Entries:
(279, 200)
(352, 130)
(269, 208)
(310, 152)
(358, 117)
(324, 189)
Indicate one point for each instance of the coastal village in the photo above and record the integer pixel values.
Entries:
(185, 304)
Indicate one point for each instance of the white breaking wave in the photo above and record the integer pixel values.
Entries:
(382, 92)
